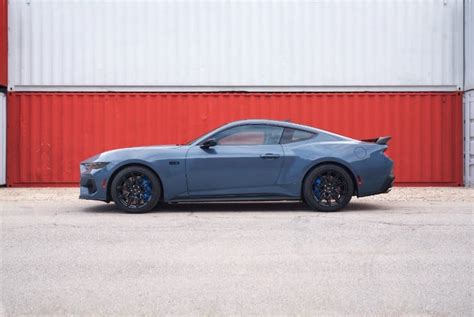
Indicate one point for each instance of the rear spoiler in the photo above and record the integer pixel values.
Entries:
(383, 140)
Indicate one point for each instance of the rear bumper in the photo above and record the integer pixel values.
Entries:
(388, 184)
(383, 189)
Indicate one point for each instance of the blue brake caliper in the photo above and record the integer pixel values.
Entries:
(316, 190)
(147, 190)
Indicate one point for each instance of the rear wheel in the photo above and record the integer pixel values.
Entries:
(136, 189)
(328, 188)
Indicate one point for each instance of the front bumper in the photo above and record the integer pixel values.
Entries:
(93, 186)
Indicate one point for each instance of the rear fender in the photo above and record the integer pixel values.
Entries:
(335, 161)
(373, 170)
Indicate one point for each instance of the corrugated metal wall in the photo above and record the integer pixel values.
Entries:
(50, 133)
(236, 45)
(469, 93)
(264, 45)
(469, 44)
(3, 138)
(3, 42)
(469, 138)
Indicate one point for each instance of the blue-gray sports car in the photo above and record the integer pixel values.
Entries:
(242, 160)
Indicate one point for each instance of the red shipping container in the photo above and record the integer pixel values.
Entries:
(50, 133)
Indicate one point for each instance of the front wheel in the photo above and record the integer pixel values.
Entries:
(328, 188)
(136, 189)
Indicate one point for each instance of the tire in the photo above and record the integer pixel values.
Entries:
(328, 188)
(136, 189)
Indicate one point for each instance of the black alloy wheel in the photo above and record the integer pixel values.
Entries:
(328, 188)
(136, 189)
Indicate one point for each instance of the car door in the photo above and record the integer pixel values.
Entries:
(246, 160)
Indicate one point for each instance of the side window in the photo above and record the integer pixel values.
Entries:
(250, 135)
(292, 135)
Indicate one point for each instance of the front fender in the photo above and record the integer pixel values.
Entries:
(172, 176)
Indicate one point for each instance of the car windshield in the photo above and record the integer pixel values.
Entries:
(195, 139)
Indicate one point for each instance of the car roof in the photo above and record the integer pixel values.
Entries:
(286, 124)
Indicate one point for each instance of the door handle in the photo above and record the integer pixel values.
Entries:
(269, 156)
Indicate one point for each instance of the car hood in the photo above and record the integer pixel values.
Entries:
(132, 153)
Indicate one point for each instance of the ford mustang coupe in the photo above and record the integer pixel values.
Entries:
(243, 160)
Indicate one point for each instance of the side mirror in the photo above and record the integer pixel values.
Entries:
(209, 143)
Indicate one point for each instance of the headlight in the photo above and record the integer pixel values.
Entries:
(89, 167)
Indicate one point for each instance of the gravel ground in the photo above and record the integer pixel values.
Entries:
(407, 252)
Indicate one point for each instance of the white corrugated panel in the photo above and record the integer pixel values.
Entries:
(469, 93)
(469, 138)
(3, 137)
(236, 45)
(469, 44)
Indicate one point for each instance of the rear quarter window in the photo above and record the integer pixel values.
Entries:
(294, 135)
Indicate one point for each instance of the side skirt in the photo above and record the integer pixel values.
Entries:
(234, 199)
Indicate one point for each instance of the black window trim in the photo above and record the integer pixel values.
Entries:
(296, 129)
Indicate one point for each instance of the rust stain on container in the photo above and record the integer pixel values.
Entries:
(50, 133)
